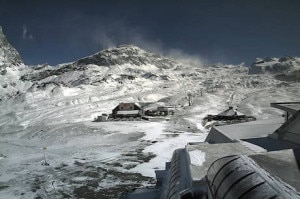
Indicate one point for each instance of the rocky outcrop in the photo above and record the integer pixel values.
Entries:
(126, 54)
(11, 68)
(123, 63)
(8, 54)
(286, 68)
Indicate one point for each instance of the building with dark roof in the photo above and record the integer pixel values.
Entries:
(126, 110)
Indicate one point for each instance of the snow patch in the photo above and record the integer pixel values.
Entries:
(197, 157)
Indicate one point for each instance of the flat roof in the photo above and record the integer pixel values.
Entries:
(291, 107)
(254, 129)
(256, 132)
(283, 164)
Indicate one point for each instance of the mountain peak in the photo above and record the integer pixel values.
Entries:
(128, 46)
(8, 54)
(124, 51)
(126, 54)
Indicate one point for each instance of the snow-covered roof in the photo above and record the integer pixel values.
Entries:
(230, 112)
(247, 130)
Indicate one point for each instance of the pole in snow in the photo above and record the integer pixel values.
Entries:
(45, 163)
(190, 98)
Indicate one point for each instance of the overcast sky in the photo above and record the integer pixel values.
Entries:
(226, 31)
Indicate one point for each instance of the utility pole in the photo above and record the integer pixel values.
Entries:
(189, 98)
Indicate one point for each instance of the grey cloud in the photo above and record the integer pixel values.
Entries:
(25, 34)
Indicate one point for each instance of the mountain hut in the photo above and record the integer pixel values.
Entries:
(126, 110)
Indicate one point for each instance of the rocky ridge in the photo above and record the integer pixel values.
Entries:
(122, 62)
(286, 68)
(9, 56)
(128, 65)
(11, 69)
(126, 54)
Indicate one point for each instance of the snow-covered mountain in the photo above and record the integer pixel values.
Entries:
(123, 63)
(285, 68)
(132, 65)
(126, 54)
(11, 69)
(9, 56)
(48, 110)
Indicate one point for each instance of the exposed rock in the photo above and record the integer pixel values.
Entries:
(8, 54)
(11, 68)
(286, 68)
(125, 62)
(286, 58)
(126, 54)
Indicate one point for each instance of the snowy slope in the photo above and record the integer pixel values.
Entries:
(285, 68)
(55, 107)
